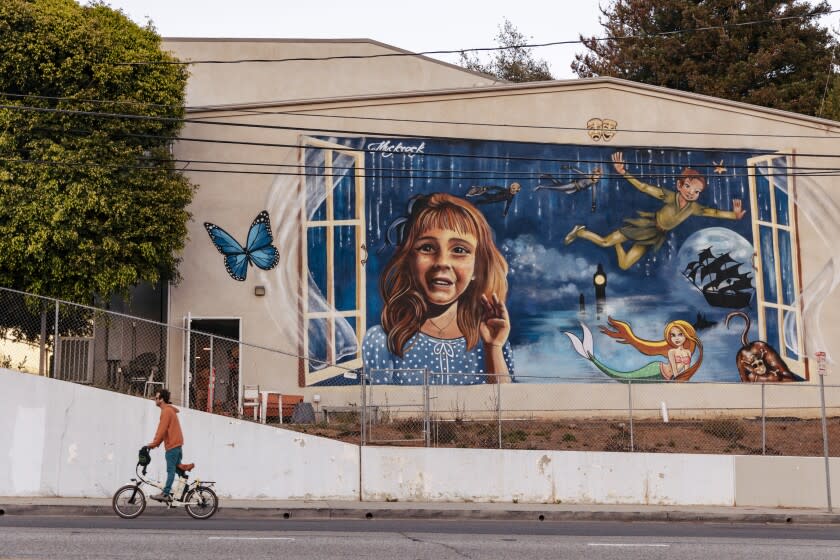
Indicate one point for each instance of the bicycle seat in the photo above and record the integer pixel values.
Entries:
(186, 467)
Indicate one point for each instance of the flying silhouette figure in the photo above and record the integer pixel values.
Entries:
(490, 195)
(583, 182)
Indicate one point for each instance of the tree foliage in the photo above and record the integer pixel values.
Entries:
(514, 63)
(781, 64)
(830, 109)
(89, 205)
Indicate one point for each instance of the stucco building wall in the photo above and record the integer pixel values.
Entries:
(459, 106)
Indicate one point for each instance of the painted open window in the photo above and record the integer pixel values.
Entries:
(333, 255)
(777, 258)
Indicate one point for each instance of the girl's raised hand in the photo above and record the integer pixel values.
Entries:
(618, 163)
(495, 325)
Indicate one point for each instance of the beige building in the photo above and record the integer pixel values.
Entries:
(327, 151)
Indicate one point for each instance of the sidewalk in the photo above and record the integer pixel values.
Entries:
(327, 509)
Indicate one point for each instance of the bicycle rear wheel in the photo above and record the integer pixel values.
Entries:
(201, 502)
(129, 501)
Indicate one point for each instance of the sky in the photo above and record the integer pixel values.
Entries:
(414, 26)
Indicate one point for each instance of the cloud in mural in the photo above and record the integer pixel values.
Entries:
(540, 270)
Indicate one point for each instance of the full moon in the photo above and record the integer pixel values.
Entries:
(721, 240)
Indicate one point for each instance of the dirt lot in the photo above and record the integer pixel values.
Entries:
(782, 436)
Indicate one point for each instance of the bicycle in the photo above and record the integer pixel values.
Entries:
(197, 497)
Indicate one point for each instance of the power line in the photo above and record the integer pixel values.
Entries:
(486, 174)
(606, 163)
(477, 49)
(748, 153)
(100, 165)
(87, 100)
(831, 136)
(827, 82)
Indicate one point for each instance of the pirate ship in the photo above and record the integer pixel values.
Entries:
(720, 280)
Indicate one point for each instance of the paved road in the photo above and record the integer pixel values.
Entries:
(51, 537)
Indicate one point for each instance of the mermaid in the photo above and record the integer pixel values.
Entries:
(677, 347)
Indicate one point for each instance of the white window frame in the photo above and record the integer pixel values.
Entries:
(311, 375)
(798, 365)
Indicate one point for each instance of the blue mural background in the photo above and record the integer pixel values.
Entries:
(546, 276)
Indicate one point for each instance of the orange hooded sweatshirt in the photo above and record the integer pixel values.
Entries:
(169, 428)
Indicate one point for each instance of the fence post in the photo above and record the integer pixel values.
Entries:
(56, 344)
(42, 344)
(165, 363)
(427, 409)
(362, 427)
(187, 377)
(825, 443)
(763, 423)
(630, 402)
(499, 408)
(211, 387)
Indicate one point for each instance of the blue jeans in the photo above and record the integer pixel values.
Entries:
(173, 457)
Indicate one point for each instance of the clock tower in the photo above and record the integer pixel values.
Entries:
(599, 280)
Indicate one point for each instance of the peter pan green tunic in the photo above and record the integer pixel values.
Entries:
(651, 228)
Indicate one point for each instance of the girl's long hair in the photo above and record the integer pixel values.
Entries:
(623, 332)
(405, 305)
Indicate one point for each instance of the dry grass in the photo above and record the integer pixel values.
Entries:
(783, 436)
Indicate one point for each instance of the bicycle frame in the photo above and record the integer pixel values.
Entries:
(176, 500)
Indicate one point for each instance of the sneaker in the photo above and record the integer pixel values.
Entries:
(162, 497)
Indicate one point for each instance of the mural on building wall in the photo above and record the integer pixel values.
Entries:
(257, 251)
(548, 263)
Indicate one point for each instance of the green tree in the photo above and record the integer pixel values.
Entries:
(781, 64)
(830, 109)
(89, 206)
(514, 63)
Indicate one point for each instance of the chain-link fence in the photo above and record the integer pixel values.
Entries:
(717, 418)
(217, 373)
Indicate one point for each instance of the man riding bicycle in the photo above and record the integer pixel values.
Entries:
(168, 432)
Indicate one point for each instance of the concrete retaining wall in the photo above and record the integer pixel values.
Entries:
(62, 439)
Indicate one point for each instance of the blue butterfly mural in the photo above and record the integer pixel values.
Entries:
(258, 249)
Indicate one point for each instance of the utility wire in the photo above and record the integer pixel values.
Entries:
(88, 100)
(100, 165)
(748, 153)
(478, 49)
(599, 162)
(827, 82)
(831, 136)
(204, 120)
(567, 169)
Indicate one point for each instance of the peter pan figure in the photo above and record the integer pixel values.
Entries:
(650, 229)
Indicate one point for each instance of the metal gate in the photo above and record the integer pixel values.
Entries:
(75, 359)
(395, 413)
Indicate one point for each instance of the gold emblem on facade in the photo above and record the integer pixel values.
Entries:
(601, 129)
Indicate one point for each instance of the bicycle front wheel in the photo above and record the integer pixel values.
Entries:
(129, 501)
(201, 502)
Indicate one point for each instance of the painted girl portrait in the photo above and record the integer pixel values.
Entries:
(443, 294)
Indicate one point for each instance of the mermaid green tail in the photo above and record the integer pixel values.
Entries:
(649, 372)
(585, 347)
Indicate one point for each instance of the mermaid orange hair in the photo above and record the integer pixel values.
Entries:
(624, 334)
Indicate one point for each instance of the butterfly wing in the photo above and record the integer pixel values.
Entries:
(258, 248)
(236, 259)
(237, 266)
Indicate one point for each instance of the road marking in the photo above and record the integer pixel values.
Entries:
(628, 544)
(250, 538)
